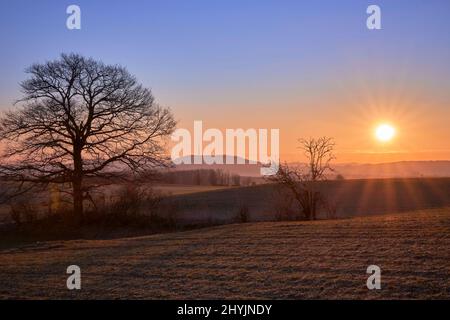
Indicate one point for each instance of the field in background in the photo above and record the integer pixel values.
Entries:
(174, 189)
(352, 197)
(220, 204)
(279, 260)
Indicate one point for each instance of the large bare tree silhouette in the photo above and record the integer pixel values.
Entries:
(80, 118)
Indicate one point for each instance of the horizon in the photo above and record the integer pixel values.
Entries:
(335, 162)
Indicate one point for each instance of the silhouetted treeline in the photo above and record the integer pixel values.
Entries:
(204, 177)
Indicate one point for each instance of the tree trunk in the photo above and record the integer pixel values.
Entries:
(77, 197)
(77, 184)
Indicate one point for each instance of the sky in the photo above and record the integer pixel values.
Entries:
(309, 68)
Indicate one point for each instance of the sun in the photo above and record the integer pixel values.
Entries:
(385, 132)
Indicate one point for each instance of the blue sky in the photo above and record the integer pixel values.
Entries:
(218, 59)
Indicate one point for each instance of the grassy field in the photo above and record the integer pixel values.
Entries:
(359, 197)
(281, 260)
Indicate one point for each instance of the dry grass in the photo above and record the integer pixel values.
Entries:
(280, 260)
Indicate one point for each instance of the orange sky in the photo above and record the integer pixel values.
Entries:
(348, 113)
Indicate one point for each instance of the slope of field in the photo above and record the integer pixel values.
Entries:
(281, 260)
(352, 198)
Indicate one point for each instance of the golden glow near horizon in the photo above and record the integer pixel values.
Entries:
(385, 132)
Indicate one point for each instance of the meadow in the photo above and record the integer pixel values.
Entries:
(358, 197)
(401, 225)
(265, 260)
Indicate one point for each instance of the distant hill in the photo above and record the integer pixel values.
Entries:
(403, 169)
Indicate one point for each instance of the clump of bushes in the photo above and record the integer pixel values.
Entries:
(132, 210)
(133, 206)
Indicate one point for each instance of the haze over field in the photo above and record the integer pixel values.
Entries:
(402, 169)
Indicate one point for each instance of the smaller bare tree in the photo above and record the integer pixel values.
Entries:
(301, 181)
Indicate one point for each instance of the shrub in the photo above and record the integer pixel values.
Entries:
(134, 206)
(331, 208)
(243, 214)
(284, 206)
(23, 212)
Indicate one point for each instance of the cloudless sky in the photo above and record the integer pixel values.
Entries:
(307, 67)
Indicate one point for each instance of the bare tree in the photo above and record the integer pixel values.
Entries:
(319, 153)
(79, 118)
(301, 182)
